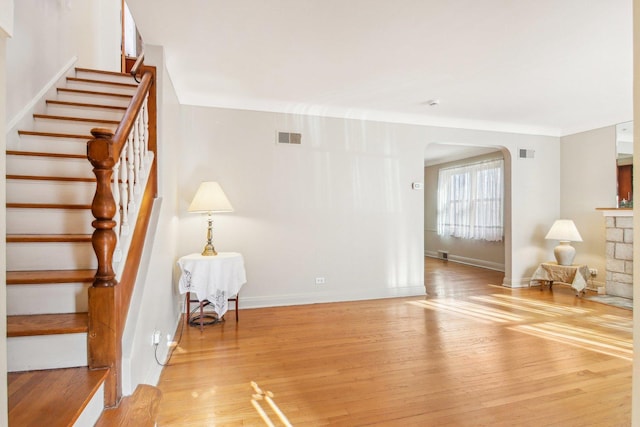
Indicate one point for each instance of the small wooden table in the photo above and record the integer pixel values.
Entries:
(215, 280)
(575, 276)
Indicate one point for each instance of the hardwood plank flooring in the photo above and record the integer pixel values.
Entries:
(470, 353)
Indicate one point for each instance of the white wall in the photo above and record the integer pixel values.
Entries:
(587, 182)
(6, 17)
(156, 301)
(340, 206)
(3, 235)
(49, 34)
(475, 252)
(635, 402)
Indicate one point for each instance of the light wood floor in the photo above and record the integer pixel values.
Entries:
(469, 354)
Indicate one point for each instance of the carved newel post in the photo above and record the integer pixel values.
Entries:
(103, 207)
(104, 347)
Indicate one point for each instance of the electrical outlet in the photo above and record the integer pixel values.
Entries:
(156, 337)
(593, 271)
(320, 281)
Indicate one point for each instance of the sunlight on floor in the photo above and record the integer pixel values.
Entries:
(502, 309)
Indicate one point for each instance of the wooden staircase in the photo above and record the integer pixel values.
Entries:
(50, 259)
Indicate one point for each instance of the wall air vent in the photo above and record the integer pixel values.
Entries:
(289, 138)
(527, 154)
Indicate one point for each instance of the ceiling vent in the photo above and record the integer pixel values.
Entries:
(289, 138)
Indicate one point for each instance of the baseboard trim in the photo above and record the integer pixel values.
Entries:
(490, 265)
(248, 302)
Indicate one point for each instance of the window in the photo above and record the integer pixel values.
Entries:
(470, 201)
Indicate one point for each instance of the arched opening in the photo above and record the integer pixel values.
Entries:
(481, 253)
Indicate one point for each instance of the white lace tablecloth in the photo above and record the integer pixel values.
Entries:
(213, 278)
(574, 275)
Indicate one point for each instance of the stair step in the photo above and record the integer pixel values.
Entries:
(113, 76)
(72, 125)
(76, 119)
(133, 86)
(41, 154)
(48, 298)
(94, 93)
(58, 291)
(48, 238)
(93, 96)
(33, 256)
(44, 142)
(47, 324)
(62, 165)
(46, 206)
(57, 191)
(139, 409)
(43, 218)
(50, 178)
(55, 134)
(99, 111)
(49, 276)
(54, 397)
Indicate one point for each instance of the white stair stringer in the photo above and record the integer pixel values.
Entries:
(46, 352)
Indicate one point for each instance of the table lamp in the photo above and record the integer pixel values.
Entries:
(565, 231)
(210, 198)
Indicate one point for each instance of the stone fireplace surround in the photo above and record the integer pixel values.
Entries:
(619, 251)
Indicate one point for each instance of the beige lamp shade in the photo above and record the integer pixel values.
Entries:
(210, 198)
(565, 231)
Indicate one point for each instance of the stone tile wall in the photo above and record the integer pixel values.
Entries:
(619, 278)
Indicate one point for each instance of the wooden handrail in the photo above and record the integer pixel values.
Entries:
(108, 298)
(136, 66)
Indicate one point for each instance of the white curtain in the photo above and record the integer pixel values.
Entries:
(470, 201)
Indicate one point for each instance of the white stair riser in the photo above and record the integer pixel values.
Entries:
(93, 113)
(76, 128)
(92, 412)
(93, 99)
(126, 78)
(47, 298)
(31, 191)
(40, 144)
(101, 87)
(50, 256)
(47, 166)
(46, 352)
(49, 221)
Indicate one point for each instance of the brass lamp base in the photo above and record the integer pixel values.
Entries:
(209, 250)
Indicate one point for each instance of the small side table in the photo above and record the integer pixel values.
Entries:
(213, 279)
(575, 276)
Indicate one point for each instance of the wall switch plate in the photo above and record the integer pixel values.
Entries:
(320, 281)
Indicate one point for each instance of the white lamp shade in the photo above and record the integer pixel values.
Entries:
(564, 230)
(210, 198)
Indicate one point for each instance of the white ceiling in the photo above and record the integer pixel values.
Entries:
(551, 67)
